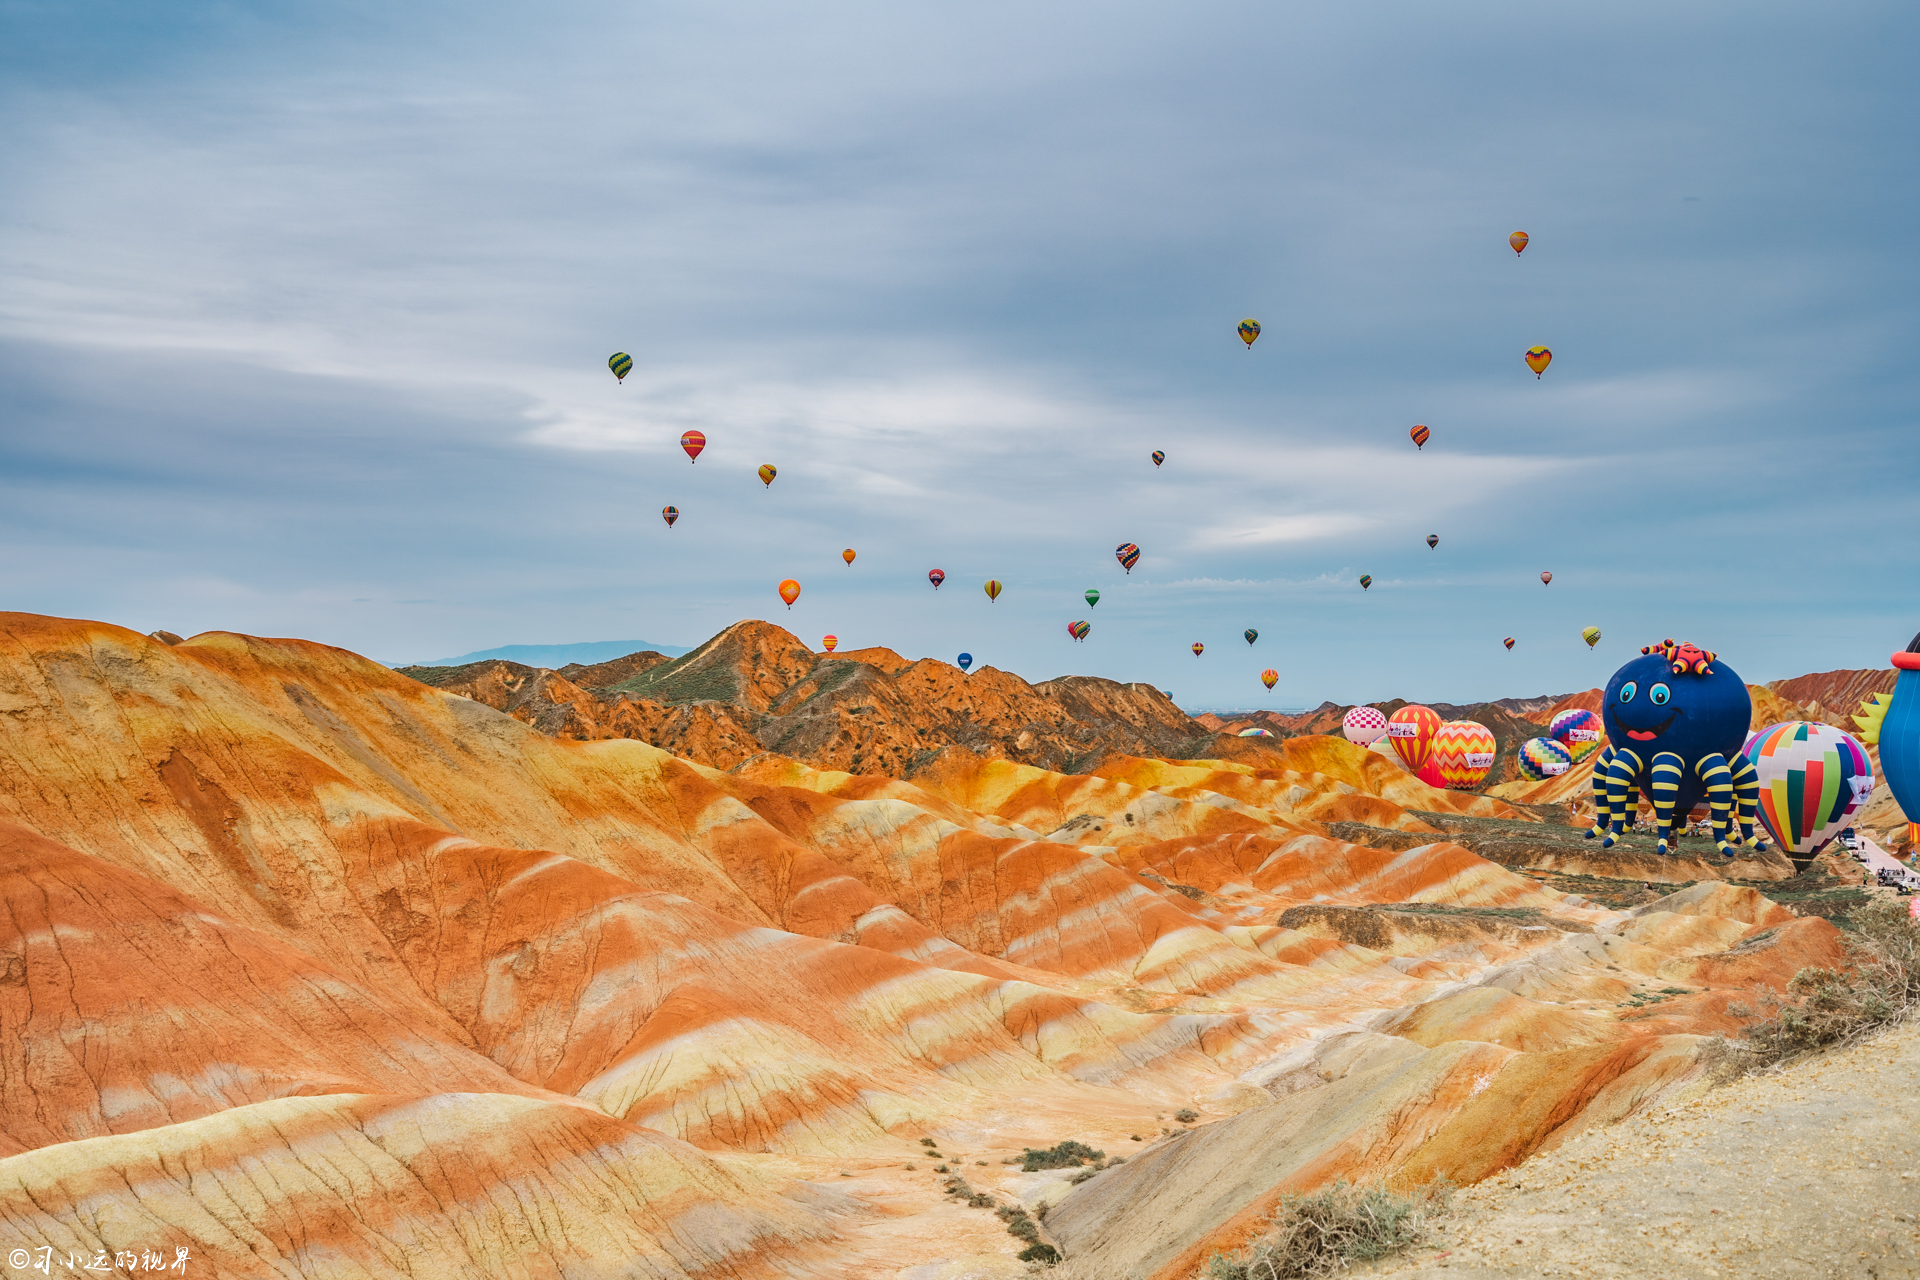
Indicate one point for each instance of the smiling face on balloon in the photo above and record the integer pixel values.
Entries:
(1651, 708)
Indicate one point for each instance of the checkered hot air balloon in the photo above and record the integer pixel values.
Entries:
(1463, 752)
(1812, 779)
(1579, 731)
(1364, 726)
(1542, 758)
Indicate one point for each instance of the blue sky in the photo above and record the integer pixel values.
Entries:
(304, 320)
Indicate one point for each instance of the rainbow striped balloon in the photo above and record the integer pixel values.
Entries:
(1542, 758)
(1812, 779)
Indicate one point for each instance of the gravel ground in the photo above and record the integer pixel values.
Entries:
(1812, 1171)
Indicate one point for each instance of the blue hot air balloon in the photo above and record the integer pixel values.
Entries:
(965, 660)
(1900, 734)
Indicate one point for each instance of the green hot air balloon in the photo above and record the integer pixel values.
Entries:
(1251, 635)
(1093, 595)
(622, 364)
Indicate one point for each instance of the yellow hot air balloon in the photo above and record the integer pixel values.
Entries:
(993, 588)
(1249, 330)
(829, 643)
(1538, 358)
(1518, 240)
(1591, 635)
(847, 555)
(1269, 677)
(767, 473)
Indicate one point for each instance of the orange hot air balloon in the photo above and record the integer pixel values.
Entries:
(1538, 358)
(693, 442)
(767, 472)
(1410, 730)
(1463, 752)
(1420, 436)
(789, 591)
(1269, 677)
(847, 555)
(1519, 242)
(829, 643)
(1546, 576)
(1198, 648)
(993, 588)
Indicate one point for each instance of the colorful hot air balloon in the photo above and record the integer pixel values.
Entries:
(1519, 242)
(1591, 635)
(767, 472)
(1420, 436)
(1079, 630)
(1251, 635)
(1812, 779)
(1364, 726)
(1433, 540)
(1255, 733)
(1093, 596)
(1463, 752)
(1158, 457)
(847, 555)
(1546, 576)
(1411, 729)
(1128, 555)
(1249, 330)
(829, 643)
(993, 588)
(936, 577)
(1269, 678)
(789, 591)
(964, 661)
(693, 442)
(1579, 731)
(1538, 358)
(1542, 758)
(622, 364)
(1198, 648)
(669, 514)
(1899, 735)
(1366, 580)
(1509, 643)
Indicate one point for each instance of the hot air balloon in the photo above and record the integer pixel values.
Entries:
(1249, 330)
(936, 577)
(1538, 358)
(1366, 580)
(1519, 242)
(1546, 576)
(669, 514)
(1411, 729)
(1591, 635)
(789, 591)
(1579, 731)
(1420, 436)
(767, 472)
(1079, 630)
(1128, 555)
(1812, 779)
(693, 442)
(1198, 648)
(1433, 540)
(1509, 643)
(1158, 457)
(993, 588)
(1255, 733)
(1542, 758)
(964, 661)
(622, 364)
(847, 555)
(1093, 596)
(1364, 726)
(1251, 635)
(829, 643)
(1899, 734)
(1269, 678)
(1463, 752)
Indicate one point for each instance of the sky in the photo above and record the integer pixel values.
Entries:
(305, 314)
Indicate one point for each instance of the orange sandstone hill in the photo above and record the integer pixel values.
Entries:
(309, 968)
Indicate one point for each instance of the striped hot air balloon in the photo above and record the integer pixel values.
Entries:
(1433, 540)
(1128, 555)
(1411, 731)
(1366, 580)
(767, 472)
(1420, 436)
(829, 643)
(1158, 457)
(669, 514)
(1463, 752)
(1542, 758)
(693, 442)
(1079, 630)
(1251, 635)
(622, 364)
(993, 588)
(1364, 726)
(1509, 643)
(1812, 779)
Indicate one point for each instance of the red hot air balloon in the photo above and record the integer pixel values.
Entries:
(669, 514)
(1079, 630)
(1269, 678)
(1128, 555)
(1546, 576)
(936, 577)
(693, 442)
(829, 643)
(1198, 648)
(1411, 730)
(1420, 436)
(789, 591)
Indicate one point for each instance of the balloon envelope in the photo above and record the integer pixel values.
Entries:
(964, 661)
(1812, 779)
(1463, 752)
(1518, 240)
(669, 514)
(1508, 642)
(767, 472)
(1591, 635)
(1158, 457)
(1579, 731)
(829, 643)
(1538, 358)
(1251, 635)
(1366, 580)
(1249, 330)
(693, 442)
(1255, 733)
(1269, 677)
(622, 364)
(1546, 576)
(1079, 630)
(936, 577)
(847, 555)
(1433, 540)
(1364, 725)
(993, 588)
(1093, 596)
(1198, 648)
(1542, 758)
(789, 591)
(1128, 555)
(1412, 728)
(1420, 437)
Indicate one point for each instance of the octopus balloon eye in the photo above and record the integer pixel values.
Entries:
(1627, 691)
(1659, 693)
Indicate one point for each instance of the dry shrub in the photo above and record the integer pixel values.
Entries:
(1879, 984)
(1319, 1234)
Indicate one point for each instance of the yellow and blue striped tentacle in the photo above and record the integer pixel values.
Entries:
(1622, 769)
(1663, 783)
(1601, 811)
(1714, 772)
(1746, 795)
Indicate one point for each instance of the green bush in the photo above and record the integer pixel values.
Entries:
(1040, 1253)
(1186, 1115)
(1319, 1234)
(1066, 1155)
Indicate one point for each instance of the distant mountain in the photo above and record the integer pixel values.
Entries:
(556, 656)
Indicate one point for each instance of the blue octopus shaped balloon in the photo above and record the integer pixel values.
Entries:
(1676, 718)
(1899, 734)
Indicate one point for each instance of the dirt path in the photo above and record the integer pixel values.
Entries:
(1812, 1172)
